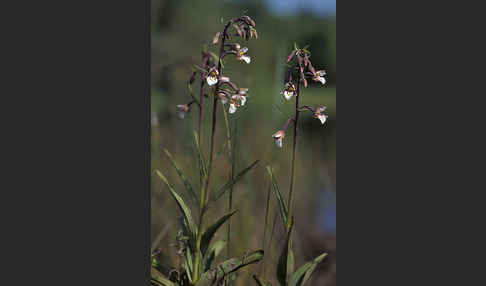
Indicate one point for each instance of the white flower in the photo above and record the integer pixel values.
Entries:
(182, 109)
(319, 76)
(278, 138)
(288, 91)
(242, 56)
(322, 118)
(242, 99)
(319, 114)
(212, 77)
(232, 107)
(246, 59)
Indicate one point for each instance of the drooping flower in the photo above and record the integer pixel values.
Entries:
(238, 99)
(319, 76)
(212, 77)
(232, 106)
(278, 138)
(241, 95)
(319, 114)
(182, 109)
(242, 56)
(288, 91)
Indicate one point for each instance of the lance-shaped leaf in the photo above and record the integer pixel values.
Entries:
(304, 273)
(186, 182)
(159, 278)
(281, 202)
(188, 263)
(183, 207)
(202, 161)
(261, 282)
(218, 273)
(238, 177)
(286, 261)
(213, 251)
(210, 231)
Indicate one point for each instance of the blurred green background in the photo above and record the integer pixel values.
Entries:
(179, 30)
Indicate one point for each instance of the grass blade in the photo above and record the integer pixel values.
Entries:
(213, 251)
(304, 273)
(286, 262)
(186, 182)
(238, 177)
(281, 202)
(203, 171)
(210, 231)
(183, 207)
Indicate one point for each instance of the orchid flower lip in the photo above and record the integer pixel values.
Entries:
(232, 108)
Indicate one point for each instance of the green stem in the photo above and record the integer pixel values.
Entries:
(205, 190)
(232, 157)
(292, 177)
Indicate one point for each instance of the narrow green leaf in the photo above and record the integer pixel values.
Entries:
(304, 273)
(261, 282)
(213, 251)
(202, 161)
(160, 278)
(186, 182)
(229, 184)
(286, 261)
(281, 202)
(183, 207)
(188, 262)
(227, 267)
(210, 231)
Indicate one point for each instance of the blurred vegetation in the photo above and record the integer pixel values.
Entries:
(179, 31)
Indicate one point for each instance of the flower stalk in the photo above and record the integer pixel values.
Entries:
(300, 67)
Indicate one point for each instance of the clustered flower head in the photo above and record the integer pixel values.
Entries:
(238, 99)
(235, 97)
(211, 70)
(300, 67)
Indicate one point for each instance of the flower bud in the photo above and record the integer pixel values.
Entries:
(216, 38)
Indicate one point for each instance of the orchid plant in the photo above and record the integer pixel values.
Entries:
(299, 70)
(195, 246)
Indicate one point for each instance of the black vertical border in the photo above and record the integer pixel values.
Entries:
(148, 132)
